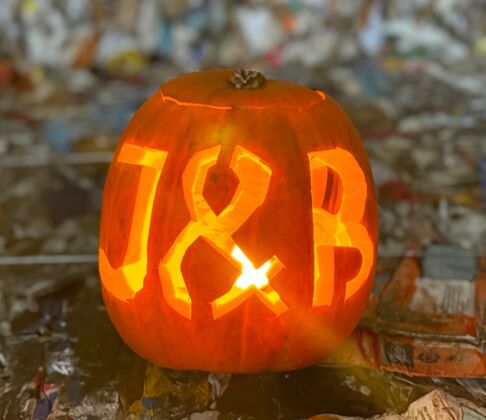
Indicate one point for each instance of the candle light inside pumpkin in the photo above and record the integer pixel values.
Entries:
(250, 276)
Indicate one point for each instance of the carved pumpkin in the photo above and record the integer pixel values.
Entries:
(238, 226)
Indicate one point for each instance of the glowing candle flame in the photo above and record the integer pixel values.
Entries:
(250, 276)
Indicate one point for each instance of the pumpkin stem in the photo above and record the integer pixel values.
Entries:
(247, 79)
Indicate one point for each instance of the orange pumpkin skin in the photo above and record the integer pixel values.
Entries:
(307, 200)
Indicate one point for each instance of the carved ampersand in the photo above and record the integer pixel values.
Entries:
(254, 177)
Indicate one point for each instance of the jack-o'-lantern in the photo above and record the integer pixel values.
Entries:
(239, 225)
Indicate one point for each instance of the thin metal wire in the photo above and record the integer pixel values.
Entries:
(84, 158)
(48, 259)
(22, 260)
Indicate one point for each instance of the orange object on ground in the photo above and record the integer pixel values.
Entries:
(239, 225)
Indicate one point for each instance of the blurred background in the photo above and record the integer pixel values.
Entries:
(412, 76)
